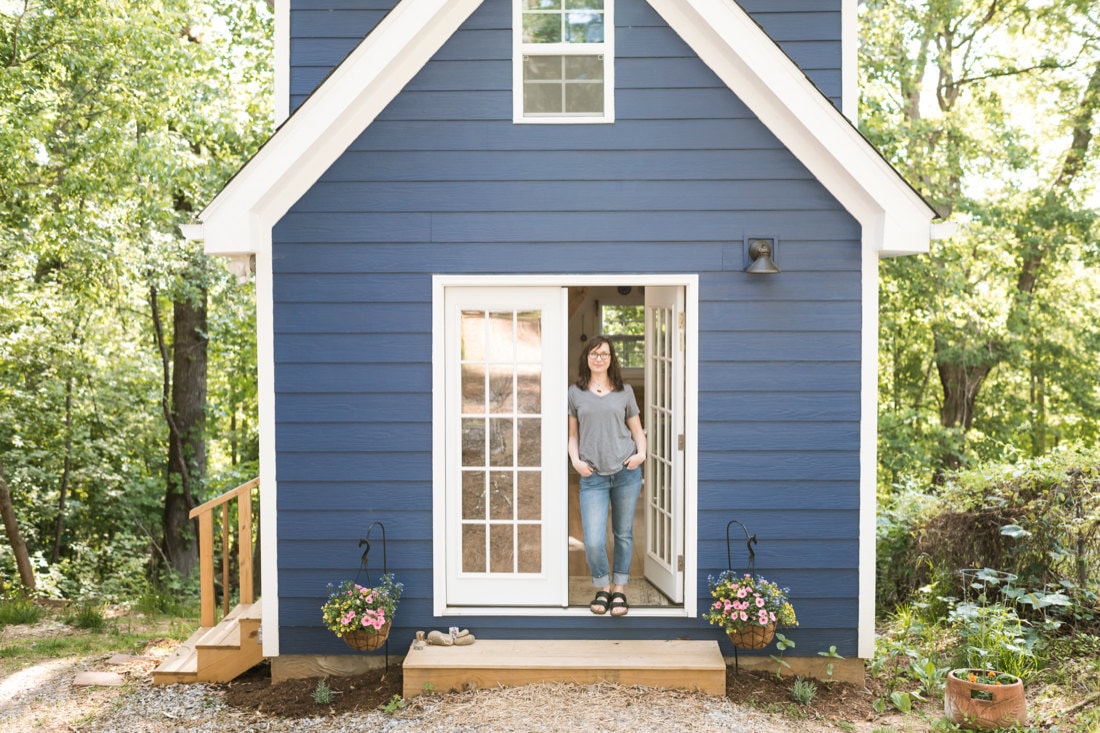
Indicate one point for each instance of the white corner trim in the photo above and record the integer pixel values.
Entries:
(269, 487)
(868, 455)
(282, 61)
(328, 121)
(894, 217)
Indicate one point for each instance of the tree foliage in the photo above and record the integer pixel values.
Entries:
(990, 108)
(118, 118)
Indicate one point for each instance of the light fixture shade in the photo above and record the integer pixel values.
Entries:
(760, 250)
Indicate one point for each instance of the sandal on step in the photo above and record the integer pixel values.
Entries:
(619, 606)
(600, 603)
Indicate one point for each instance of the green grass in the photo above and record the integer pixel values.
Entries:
(83, 636)
(19, 611)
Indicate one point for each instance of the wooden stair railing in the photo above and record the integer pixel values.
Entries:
(205, 514)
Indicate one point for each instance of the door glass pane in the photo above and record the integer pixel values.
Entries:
(473, 494)
(501, 503)
(501, 403)
(502, 548)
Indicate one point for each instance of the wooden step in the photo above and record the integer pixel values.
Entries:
(679, 664)
(216, 654)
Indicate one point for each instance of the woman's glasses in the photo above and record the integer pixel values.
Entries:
(599, 355)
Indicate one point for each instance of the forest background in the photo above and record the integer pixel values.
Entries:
(127, 357)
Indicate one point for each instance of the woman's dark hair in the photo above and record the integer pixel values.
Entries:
(584, 374)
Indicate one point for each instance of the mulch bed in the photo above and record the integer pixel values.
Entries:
(294, 698)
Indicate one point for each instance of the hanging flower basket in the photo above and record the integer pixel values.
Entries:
(364, 641)
(361, 615)
(981, 699)
(748, 608)
(752, 637)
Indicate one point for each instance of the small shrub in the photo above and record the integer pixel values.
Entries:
(322, 693)
(803, 691)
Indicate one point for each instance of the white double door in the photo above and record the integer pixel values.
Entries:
(505, 483)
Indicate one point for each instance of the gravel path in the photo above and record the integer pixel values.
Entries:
(43, 698)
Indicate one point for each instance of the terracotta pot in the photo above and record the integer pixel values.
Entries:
(367, 641)
(752, 637)
(979, 706)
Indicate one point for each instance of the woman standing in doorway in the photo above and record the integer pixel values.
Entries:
(607, 447)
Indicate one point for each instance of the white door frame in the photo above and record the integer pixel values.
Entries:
(690, 284)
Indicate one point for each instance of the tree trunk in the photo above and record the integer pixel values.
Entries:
(184, 405)
(66, 472)
(15, 538)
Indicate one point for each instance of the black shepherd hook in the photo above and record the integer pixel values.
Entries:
(749, 542)
(363, 568)
(366, 541)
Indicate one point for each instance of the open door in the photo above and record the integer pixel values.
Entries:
(664, 423)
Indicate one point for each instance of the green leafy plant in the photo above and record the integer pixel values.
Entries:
(831, 654)
(803, 691)
(395, 703)
(745, 601)
(782, 644)
(353, 607)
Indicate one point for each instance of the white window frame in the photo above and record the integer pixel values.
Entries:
(605, 49)
(690, 283)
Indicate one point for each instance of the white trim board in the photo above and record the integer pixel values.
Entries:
(690, 283)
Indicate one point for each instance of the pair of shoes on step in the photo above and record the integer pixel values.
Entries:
(461, 637)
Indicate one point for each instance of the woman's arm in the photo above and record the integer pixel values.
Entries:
(634, 424)
(575, 449)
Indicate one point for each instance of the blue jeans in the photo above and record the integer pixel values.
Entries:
(619, 493)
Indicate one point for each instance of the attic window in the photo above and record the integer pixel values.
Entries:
(562, 66)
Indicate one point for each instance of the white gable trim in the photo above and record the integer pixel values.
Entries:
(327, 122)
(894, 218)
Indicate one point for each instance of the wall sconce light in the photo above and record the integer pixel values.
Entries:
(760, 254)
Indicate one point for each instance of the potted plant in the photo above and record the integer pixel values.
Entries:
(749, 608)
(362, 616)
(984, 699)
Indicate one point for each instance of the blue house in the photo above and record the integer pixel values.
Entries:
(460, 193)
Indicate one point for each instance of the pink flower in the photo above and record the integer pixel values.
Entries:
(744, 616)
(348, 617)
(759, 602)
(742, 592)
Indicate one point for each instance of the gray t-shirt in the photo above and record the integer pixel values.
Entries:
(604, 441)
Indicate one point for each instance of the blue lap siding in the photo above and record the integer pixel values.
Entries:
(444, 182)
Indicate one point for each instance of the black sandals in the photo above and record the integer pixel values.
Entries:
(619, 606)
(600, 603)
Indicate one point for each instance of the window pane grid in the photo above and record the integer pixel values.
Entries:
(500, 364)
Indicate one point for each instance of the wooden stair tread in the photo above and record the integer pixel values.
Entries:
(216, 654)
(681, 664)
